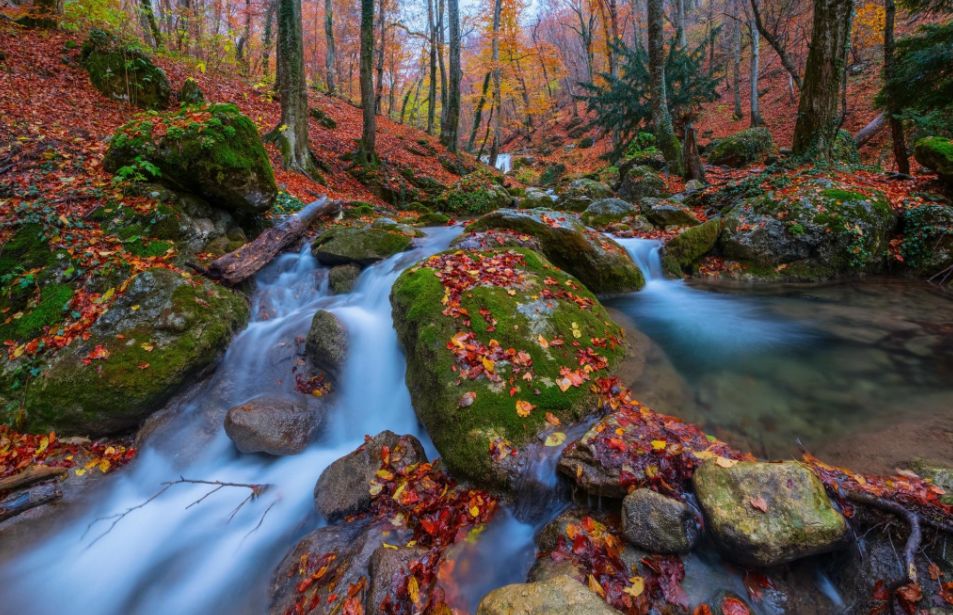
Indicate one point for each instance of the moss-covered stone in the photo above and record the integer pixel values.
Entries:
(358, 245)
(927, 246)
(845, 149)
(171, 327)
(639, 182)
(607, 211)
(474, 194)
(552, 174)
(124, 71)
(600, 263)
(667, 212)
(26, 249)
(936, 154)
(682, 251)
(213, 151)
(742, 148)
(581, 193)
(536, 197)
(190, 93)
(474, 421)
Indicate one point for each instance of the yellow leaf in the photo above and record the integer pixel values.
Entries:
(542, 341)
(80, 472)
(523, 408)
(106, 296)
(376, 488)
(148, 347)
(385, 474)
(555, 439)
(389, 546)
(595, 587)
(488, 364)
(104, 465)
(638, 586)
(658, 445)
(725, 462)
(576, 332)
(63, 220)
(413, 589)
(135, 308)
(474, 511)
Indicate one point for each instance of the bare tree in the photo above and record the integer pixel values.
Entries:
(329, 54)
(367, 152)
(450, 127)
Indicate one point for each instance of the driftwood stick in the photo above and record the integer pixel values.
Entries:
(33, 474)
(22, 501)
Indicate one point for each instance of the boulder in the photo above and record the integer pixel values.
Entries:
(172, 328)
(390, 565)
(560, 595)
(471, 322)
(552, 174)
(821, 229)
(326, 344)
(361, 246)
(640, 181)
(581, 193)
(272, 425)
(344, 487)
(666, 212)
(936, 154)
(474, 194)
(657, 523)
(599, 263)
(124, 71)
(191, 93)
(927, 246)
(212, 151)
(342, 278)
(535, 197)
(683, 250)
(606, 211)
(742, 148)
(766, 514)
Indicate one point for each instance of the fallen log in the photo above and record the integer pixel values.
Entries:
(237, 266)
(870, 130)
(33, 474)
(22, 501)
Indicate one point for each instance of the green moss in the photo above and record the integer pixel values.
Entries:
(936, 153)
(50, 308)
(124, 71)
(682, 251)
(474, 194)
(26, 249)
(743, 148)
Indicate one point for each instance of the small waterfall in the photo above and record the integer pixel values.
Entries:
(504, 162)
(647, 254)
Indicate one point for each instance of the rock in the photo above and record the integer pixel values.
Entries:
(432, 218)
(552, 174)
(469, 413)
(358, 245)
(124, 71)
(275, 426)
(766, 514)
(666, 212)
(342, 278)
(581, 193)
(936, 154)
(657, 523)
(640, 181)
(221, 159)
(344, 486)
(561, 595)
(844, 148)
(599, 263)
(191, 93)
(496, 238)
(326, 345)
(927, 246)
(682, 251)
(823, 229)
(389, 567)
(535, 197)
(694, 185)
(476, 193)
(742, 148)
(176, 326)
(606, 211)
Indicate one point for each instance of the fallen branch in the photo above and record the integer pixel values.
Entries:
(869, 131)
(239, 265)
(22, 501)
(33, 474)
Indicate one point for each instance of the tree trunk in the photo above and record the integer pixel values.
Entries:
(818, 116)
(292, 132)
(869, 131)
(694, 169)
(736, 62)
(150, 26)
(329, 59)
(661, 118)
(478, 112)
(241, 48)
(441, 63)
(381, 48)
(775, 44)
(896, 126)
(449, 130)
(755, 70)
(267, 43)
(681, 34)
(432, 90)
(497, 82)
(367, 153)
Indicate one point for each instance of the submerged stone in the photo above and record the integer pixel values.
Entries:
(657, 523)
(327, 342)
(276, 426)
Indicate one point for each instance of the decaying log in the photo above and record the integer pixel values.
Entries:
(239, 265)
(870, 130)
(32, 474)
(22, 501)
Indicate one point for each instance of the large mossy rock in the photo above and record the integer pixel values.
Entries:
(927, 246)
(358, 245)
(607, 211)
(742, 148)
(766, 514)
(474, 194)
(667, 212)
(124, 71)
(821, 229)
(489, 338)
(600, 263)
(936, 154)
(683, 250)
(213, 151)
(560, 595)
(640, 181)
(581, 193)
(156, 338)
(536, 197)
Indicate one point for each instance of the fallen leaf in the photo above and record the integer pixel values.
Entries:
(523, 408)
(555, 439)
(759, 503)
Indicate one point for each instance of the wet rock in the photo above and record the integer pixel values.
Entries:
(389, 567)
(172, 328)
(561, 595)
(496, 238)
(639, 182)
(666, 212)
(742, 148)
(682, 251)
(658, 523)
(581, 193)
(342, 278)
(536, 197)
(766, 514)
(272, 425)
(219, 157)
(606, 211)
(327, 342)
(123, 71)
(936, 154)
(358, 245)
(599, 263)
(344, 486)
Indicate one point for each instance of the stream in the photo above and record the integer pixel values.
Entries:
(711, 358)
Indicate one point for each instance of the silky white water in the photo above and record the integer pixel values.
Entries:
(170, 557)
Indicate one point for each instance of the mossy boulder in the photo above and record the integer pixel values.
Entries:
(213, 151)
(581, 193)
(190, 93)
(936, 154)
(363, 245)
(489, 338)
(536, 197)
(766, 514)
(552, 174)
(682, 251)
(327, 342)
(639, 181)
(821, 229)
(124, 71)
(742, 148)
(668, 212)
(607, 211)
(342, 278)
(845, 149)
(927, 246)
(600, 263)
(158, 336)
(476, 193)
